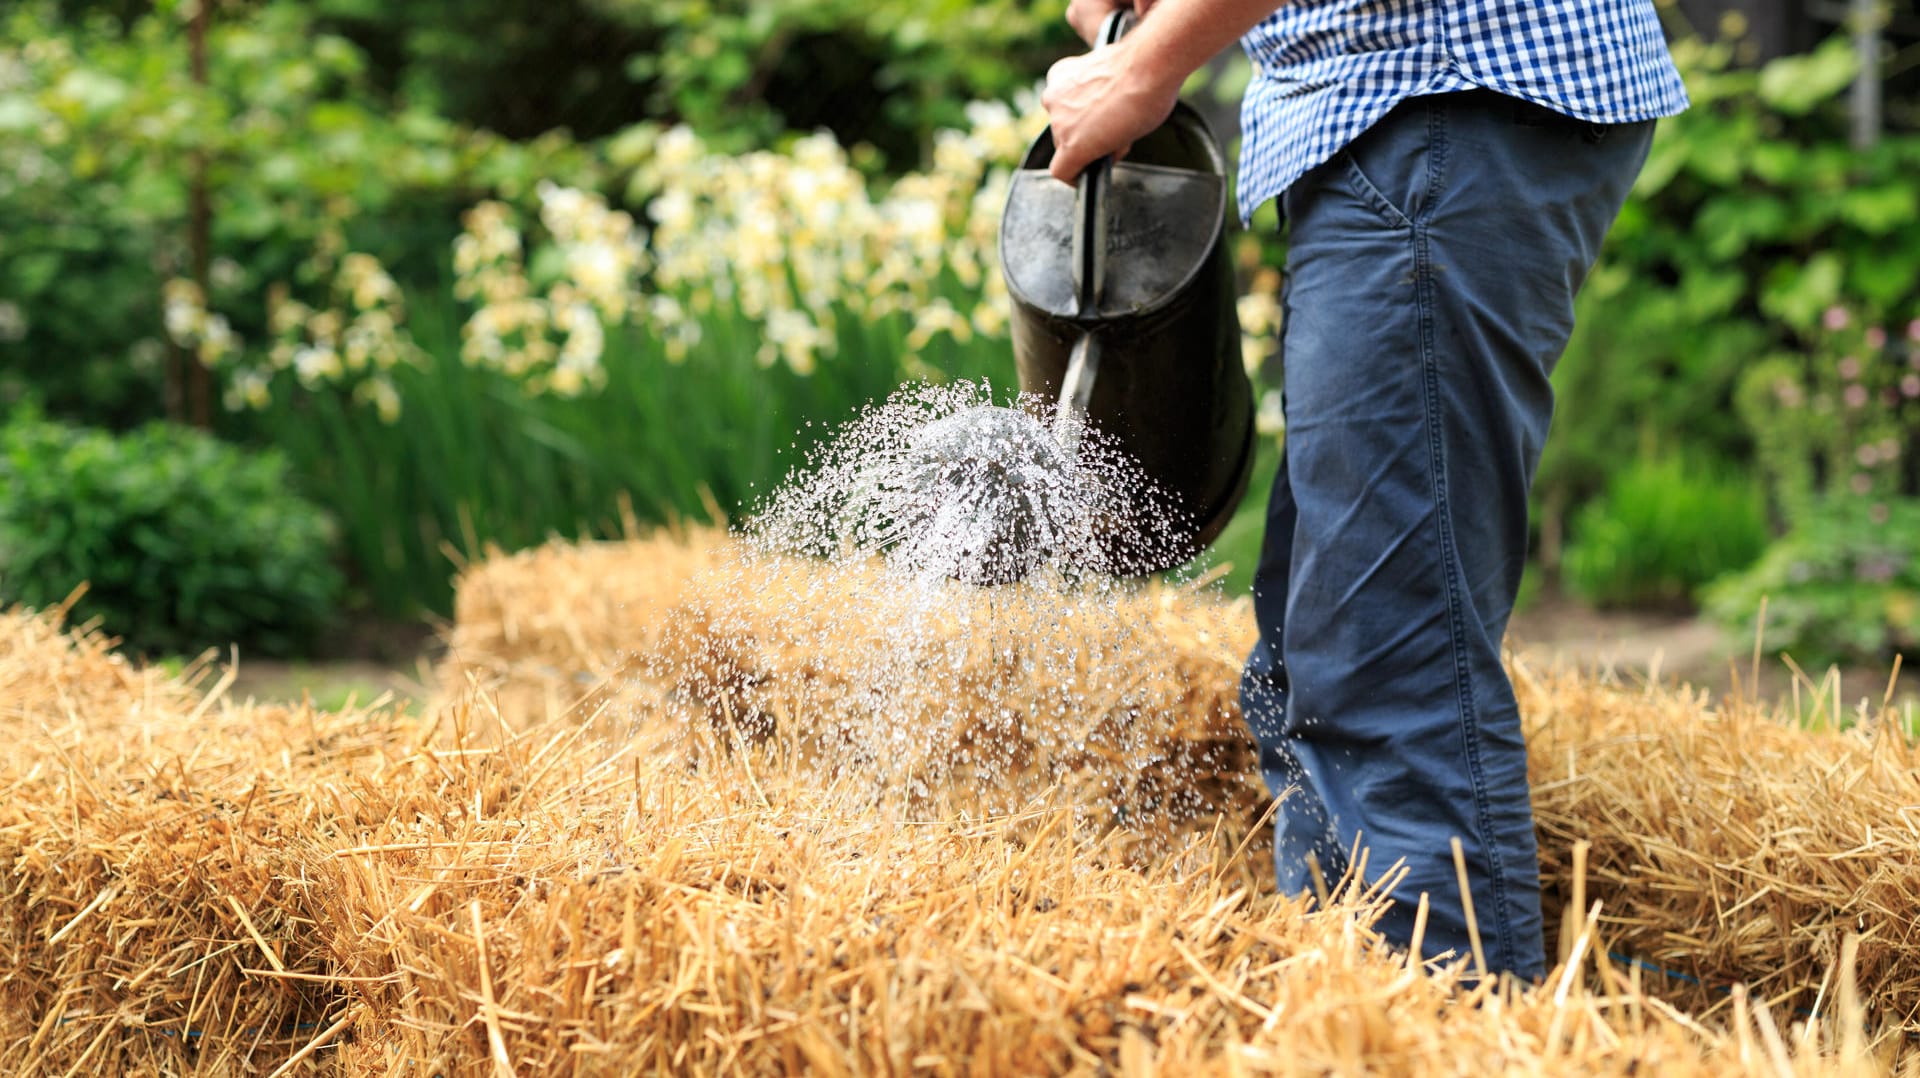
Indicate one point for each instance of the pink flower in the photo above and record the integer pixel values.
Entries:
(1860, 483)
(1889, 449)
(1867, 455)
(1913, 330)
(1849, 368)
(1856, 396)
(1910, 385)
(1836, 318)
(1876, 338)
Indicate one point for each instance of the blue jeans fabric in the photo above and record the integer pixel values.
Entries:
(1432, 268)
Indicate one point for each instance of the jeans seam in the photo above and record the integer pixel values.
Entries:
(1449, 559)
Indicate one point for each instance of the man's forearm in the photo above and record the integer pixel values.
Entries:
(1181, 35)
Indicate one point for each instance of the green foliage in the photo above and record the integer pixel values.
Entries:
(1752, 217)
(1663, 528)
(183, 542)
(474, 459)
(1844, 418)
(512, 66)
(1842, 587)
(888, 73)
(101, 126)
(569, 371)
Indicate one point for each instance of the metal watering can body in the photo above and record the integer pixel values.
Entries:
(1124, 310)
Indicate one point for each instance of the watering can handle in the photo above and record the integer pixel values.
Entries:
(1090, 197)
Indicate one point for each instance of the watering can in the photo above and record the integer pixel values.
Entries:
(1124, 316)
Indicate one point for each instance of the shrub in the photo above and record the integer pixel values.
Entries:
(1842, 586)
(1663, 528)
(99, 121)
(184, 542)
(1841, 419)
(1752, 217)
(889, 74)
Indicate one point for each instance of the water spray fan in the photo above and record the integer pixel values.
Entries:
(1123, 319)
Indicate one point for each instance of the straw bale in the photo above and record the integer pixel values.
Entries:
(1730, 846)
(141, 828)
(548, 628)
(1680, 846)
(741, 916)
(469, 891)
(1122, 702)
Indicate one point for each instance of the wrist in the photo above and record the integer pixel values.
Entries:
(1152, 70)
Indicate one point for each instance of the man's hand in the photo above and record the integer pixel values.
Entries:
(1087, 16)
(1098, 103)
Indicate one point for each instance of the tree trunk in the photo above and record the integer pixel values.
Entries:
(198, 395)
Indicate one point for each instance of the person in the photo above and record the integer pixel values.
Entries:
(1446, 170)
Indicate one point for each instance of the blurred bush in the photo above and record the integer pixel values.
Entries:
(521, 68)
(888, 74)
(1838, 431)
(1843, 586)
(578, 371)
(1841, 419)
(183, 542)
(1752, 216)
(1663, 528)
(101, 126)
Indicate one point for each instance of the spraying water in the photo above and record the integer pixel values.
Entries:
(935, 607)
(942, 483)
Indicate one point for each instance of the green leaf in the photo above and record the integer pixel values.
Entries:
(1797, 84)
(1879, 210)
(1885, 277)
(1799, 293)
(34, 272)
(1664, 162)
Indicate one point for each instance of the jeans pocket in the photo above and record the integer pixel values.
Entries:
(1390, 166)
(1363, 188)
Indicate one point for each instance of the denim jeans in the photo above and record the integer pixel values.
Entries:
(1432, 268)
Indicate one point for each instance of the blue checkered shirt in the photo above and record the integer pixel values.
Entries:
(1326, 70)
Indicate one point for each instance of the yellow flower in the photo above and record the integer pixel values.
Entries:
(315, 365)
(288, 316)
(247, 389)
(566, 381)
(990, 320)
(955, 155)
(380, 393)
(324, 327)
(677, 148)
(1259, 313)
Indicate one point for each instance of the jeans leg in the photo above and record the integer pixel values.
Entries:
(1432, 270)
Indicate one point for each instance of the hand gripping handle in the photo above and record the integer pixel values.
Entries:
(1090, 197)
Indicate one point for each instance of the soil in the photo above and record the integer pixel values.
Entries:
(357, 663)
(1672, 648)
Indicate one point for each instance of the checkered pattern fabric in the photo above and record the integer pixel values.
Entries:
(1326, 70)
